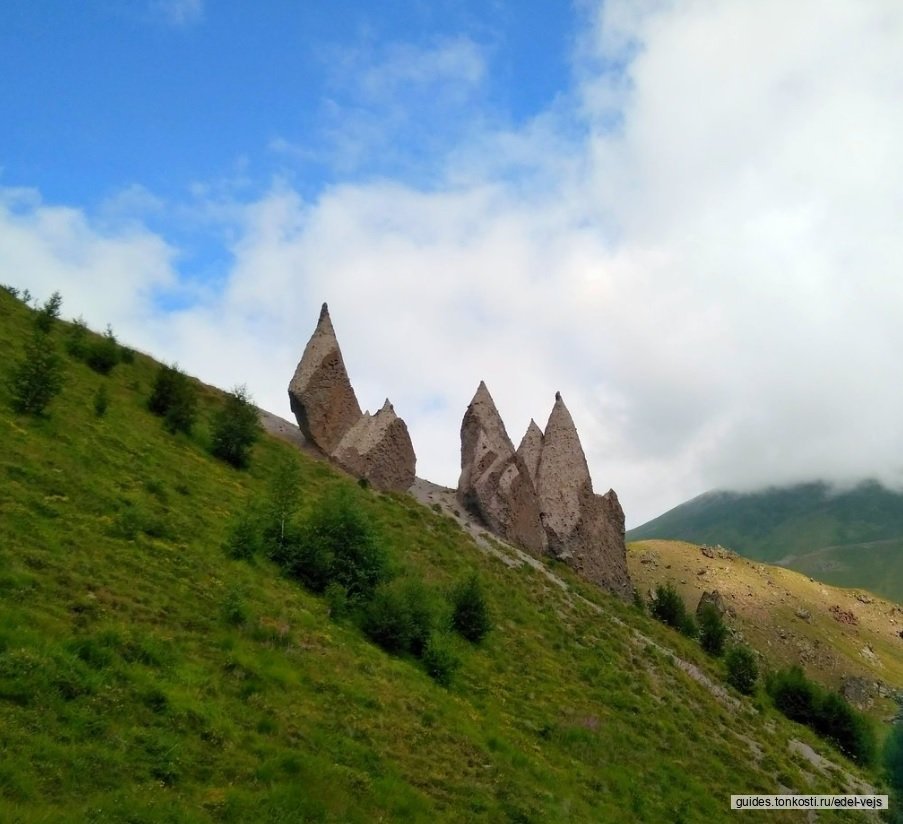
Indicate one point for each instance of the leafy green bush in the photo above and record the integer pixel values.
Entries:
(243, 541)
(335, 543)
(49, 313)
(37, 378)
(742, 669)
(174, 398)
(101, 401)
(668, 607)
(235, 428)
(439, 660)
(102, 354)
(712, 630)
(795, 695)
(849, 730)
(77, 339)
(387, 620)
(470, 612)
(235, 612)
(336, 600)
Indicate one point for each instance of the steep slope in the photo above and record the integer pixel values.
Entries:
(850, 538)
(835, 634)
(146, 677)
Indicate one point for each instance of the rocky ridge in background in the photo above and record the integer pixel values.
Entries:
(376, 447)
(540, 496)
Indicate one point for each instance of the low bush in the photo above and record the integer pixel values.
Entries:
(174, 398)
(668, 607)
(439, 660)
(236, 427)
(712, 630)
(742, 669)
(470, 612)
(37, 378)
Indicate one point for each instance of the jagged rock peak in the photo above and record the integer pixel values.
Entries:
(378, 447)
(495, 484)
(320, 393)
(530, 450)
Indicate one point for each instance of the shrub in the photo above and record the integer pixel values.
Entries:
(795, 695)
(282, 501)
(742, 670)
(174, 398)
(102, 354)
(101, 401)
(849, 730)
(638, 601)
(336, 600)
(49, 313)
(689, 627)
(439, 660)
(335, 543)
(387, 620)
(235, 428)
(77, 339)
(712, 631)
(668, 607)
(243, 541)
(38, 377)
(470, 613)
(234, 610)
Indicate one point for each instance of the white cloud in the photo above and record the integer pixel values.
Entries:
(711, 277)
(178, 13)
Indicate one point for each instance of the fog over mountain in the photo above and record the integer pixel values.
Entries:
(697, 241)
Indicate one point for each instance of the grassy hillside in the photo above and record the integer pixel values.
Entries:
(852, 538)
(146, 677)
(833, 633)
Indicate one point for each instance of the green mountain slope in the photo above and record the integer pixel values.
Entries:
(850, 538)
(146, 677)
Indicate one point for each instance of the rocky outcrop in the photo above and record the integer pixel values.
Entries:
(378, 448)
(584, 529)
(320, 392)
(495, 483)
(715, 599)
(375, 447)
(541, 495)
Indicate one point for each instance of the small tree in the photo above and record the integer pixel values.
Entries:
(103, 354)
(101, 401)
(742, 670)
(470, 613)
(174, 398)
(712, 631)
(668, 607)
(38, 377)
(243, 539)
(439, 660)
(795, 695)
(848, 729)
(49, 313)
(282, 500)
(236, 427)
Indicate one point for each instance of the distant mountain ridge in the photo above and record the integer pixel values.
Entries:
(851, 537)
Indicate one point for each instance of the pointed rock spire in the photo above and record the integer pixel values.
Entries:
(530, 450)
(376, 447)
(495, 484)
(320, 392)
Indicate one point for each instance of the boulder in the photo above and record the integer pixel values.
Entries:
(584, 529)
(495, 484)
(320, 392)
(378, 448)
(715, 599)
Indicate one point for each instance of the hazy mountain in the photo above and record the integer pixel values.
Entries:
(851, 537)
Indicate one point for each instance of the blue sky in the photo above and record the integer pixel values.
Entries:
(682, 215)
(101, 95)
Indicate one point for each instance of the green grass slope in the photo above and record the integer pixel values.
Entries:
(146, 677)
(851, 538)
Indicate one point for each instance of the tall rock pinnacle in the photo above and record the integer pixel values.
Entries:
(584, 529)
(320, 392)
(375, 447)
(495, 483)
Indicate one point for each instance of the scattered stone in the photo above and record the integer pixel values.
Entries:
(870, 655)
(803, 614)
(863, 598)
(320, 392)
(716, 599)
(843, 616)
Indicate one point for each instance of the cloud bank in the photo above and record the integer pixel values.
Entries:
(698, 244)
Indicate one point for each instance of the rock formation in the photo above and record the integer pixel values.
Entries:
(495, 483)
(584, 529)
(376, 447)
(541, 496)
(320, 393)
